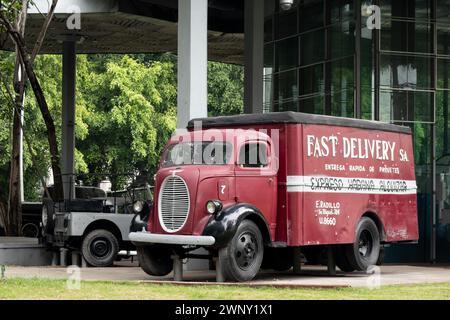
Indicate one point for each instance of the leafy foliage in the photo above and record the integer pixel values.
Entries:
(125, 113)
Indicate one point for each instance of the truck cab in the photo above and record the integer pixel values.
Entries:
(252, 188)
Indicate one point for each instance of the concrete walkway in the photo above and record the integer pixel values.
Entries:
(310, 276)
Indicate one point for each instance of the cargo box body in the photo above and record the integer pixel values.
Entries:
(338, 174)
(332, 172)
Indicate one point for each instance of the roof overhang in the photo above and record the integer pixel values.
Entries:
(137, 26)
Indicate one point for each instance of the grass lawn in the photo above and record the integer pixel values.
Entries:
(57, 289)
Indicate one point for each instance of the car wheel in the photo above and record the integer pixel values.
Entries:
(155, 260)
(365, 251)
(241, 259)
(48, 217)
(100, 248)
(30, 230)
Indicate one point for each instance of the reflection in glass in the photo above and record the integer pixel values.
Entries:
(286, 85)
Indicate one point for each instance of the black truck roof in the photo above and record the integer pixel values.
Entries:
(291, 117)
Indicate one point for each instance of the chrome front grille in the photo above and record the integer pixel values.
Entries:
(173, 203)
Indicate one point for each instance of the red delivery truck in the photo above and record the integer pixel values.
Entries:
(256, 190)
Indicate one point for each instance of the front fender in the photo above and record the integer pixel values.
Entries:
(224, 225)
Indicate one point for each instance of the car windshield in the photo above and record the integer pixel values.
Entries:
(141, 194)
(198, 153)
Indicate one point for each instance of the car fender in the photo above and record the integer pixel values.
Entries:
(223, 226)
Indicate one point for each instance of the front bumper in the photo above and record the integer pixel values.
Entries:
(142, 238)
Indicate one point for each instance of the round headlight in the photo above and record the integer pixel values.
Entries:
(138, 206)
(213, 206)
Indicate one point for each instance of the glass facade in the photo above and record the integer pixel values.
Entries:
(321, 57)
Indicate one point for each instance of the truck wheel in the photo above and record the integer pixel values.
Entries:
(341, 259)
(380, 260)
(100, 248)
(241, 259)
(365, 251)
(155, 260)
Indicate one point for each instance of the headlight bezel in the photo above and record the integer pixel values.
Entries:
(138, 206)
(213, 206)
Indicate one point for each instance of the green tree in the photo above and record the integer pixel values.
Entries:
(132, 113)
(225, 89)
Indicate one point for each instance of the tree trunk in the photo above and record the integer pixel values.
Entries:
(15, 201)
(40, 98)
(3, 217)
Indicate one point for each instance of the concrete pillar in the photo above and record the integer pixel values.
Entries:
(254, 56)
(68, 117)
(192, 60)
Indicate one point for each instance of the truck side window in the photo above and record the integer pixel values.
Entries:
(253, 155)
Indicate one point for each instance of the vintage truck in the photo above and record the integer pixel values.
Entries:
(95, 223)
(259, 190)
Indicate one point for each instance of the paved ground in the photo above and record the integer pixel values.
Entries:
(310, 276)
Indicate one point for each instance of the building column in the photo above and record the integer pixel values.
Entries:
(254, 56)
(192, 60)
(68, 118)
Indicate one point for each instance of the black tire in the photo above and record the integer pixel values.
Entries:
(30, 230)
(48, 213)
(365, 251)
(341, 259)
(100, 248)
(278, 259)
(155, 260)
(242, 257)
(380, 260)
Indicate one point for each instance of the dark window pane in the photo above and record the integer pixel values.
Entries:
(419, 9)
(312, 46)
(341, 10)
(342, 74)
(286, 85)
(443, 12)
(443, 40)
(311, 15)
(268, 29)
(313, 105)
(286, 106)
(400, 105)
(253, 155)
(286, 24)
(286, 54)
(406, 36)
(268, 59)
(443, 74)
(342, 104)
(442, 122)
(342, 39)
(311, 80)
(405, 72)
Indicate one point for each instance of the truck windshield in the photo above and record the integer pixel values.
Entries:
(198, 153)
